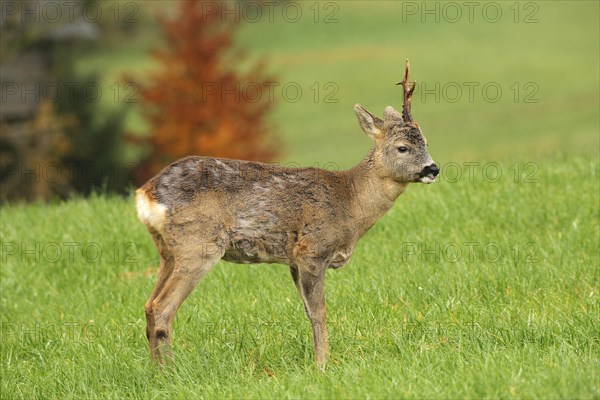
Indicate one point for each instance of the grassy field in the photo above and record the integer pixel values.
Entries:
(465, 289)
(483, 285)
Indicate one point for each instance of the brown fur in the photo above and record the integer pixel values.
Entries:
(200, 210)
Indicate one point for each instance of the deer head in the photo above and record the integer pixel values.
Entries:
(400, 147)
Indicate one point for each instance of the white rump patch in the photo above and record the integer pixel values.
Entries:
(150, 212)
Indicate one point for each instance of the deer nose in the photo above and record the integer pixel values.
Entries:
(430, 169)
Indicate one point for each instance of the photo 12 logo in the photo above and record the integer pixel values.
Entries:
(66, 331)
(54, 12)
(470, 252)
(473, 92)
(489, 172)
(71, 252)
(89, 92)
(453, 12)
(271, 11)
(53, 172)
(252, 92)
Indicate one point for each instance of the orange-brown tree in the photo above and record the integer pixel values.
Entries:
(199, 102)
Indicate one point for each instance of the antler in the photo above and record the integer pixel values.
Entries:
(408, 91)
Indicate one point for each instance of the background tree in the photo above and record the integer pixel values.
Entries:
(68, 133)
(200, 102)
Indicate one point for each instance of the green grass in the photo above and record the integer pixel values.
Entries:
(517, 317)
(408, 316)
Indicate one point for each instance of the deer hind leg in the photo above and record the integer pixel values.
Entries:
(190, 265)
(311, 285)
(164, 271)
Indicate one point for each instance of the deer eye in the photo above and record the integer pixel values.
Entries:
(402, 149)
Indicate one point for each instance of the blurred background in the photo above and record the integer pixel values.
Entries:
(100, 95)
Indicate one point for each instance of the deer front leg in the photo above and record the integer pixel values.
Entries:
(311, 285)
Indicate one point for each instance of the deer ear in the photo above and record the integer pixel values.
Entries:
(390, 114)
(370, 124)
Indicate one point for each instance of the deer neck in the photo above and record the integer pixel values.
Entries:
(373, 193)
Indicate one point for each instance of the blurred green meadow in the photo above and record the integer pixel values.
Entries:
(482, 285)
(501, 89)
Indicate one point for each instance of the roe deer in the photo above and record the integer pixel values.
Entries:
(200, 210)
